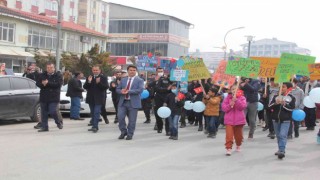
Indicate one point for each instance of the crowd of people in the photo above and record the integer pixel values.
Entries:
(230, 108)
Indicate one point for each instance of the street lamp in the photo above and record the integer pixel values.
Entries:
(249, 39)
(225, 44)
(58, 35)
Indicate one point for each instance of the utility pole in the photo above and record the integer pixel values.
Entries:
(58, 53)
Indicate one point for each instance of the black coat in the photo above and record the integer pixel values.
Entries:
(282, 112)
(34, 76)
(74, 88)
(160, 90)
(251, 91)
(96, 92)
(50, 92)
(173, 105)
(114, 94)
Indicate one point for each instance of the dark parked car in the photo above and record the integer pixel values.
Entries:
(19, 97)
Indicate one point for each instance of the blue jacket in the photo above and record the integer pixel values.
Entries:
(134, 91)
(251, 90)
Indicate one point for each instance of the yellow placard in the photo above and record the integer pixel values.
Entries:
(314, 70)
(268, 66)
(197, 68)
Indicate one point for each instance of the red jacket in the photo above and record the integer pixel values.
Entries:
(234, 115)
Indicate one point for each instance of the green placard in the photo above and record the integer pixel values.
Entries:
(244, 67)
(300, 63)
(283, 73)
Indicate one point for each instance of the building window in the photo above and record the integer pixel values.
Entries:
(34, 2)
(73, 43)
(129, 49)
(139, 26)
(43, 38)
(7, 32)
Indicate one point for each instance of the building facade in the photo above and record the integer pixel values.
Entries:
(273, 48)
(23, 34)
(47, 7)
(134, 31)
(94, 14)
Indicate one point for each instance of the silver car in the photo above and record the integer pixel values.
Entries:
(65, 102)
(19, 98)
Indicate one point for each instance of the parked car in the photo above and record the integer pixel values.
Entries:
(19, 98)
(65, 102)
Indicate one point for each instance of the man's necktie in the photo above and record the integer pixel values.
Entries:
(128, 87)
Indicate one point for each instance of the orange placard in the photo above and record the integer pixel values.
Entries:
(314, 70)
(220, 78)
(268, 66)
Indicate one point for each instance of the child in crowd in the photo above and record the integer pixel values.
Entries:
(211, 113)
(175, 104)
(234, 119)
(147, 105)
(281, 108)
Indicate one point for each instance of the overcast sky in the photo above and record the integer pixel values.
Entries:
(293, 21)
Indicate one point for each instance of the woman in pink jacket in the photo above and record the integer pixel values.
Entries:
(234, 118)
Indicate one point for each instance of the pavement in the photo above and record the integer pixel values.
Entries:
(75, 153)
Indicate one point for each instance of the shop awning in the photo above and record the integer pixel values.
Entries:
(11, 52)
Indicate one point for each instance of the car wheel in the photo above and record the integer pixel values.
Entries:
(36, 117)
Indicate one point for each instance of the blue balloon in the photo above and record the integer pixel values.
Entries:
(199, 106)
(260, 106)
(180, 63)
(145, 94)
(164, 112)
(298, 115)
(188, 105)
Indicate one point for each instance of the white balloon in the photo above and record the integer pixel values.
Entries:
(164, 112)
(259, 97)
(307, 102)
(188, 105)
(315, 95)
(199, 106)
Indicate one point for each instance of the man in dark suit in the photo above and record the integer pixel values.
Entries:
(96, 85)
(129, 90)
(50, 83)
(114, 95)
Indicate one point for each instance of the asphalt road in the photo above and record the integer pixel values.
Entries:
(75, 153)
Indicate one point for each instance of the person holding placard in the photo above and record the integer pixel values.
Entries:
(251, 88)
(211, 113)
(281, 108)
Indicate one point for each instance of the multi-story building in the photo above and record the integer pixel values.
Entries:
(47, 7)
(134, 31)
(93, 14)
(273, 48)
(23, 34)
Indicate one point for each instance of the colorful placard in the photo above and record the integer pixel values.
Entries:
(244, 67)
(268, 66)
(284, 73)
(220, 78)
(147, 63)
(197, 68)
(179, 75)
(300, 62)
(314, 70)
(184, 86)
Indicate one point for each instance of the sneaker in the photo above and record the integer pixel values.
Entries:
(38, 126)
(289, 137)
(183, 126)
(250, 136)
(277, 153)
(200, 128)
(60, 126)
(238, 149)
(174, 137)
(211, 136)
(206, 132)
(228, 153)
(147, 122)
(170, 137)
(281, 155)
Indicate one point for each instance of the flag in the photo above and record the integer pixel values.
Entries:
(181, 95)
(198, 90)
(239, 93)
